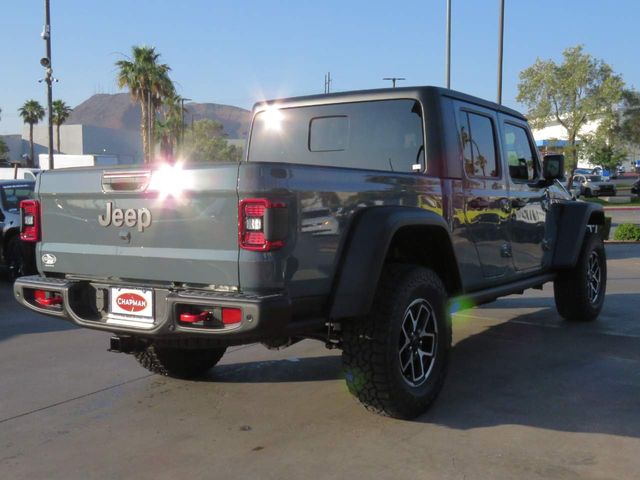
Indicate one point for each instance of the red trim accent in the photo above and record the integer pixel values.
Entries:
(194, 317)
(254, 203)
(47, 299)
(30, 233)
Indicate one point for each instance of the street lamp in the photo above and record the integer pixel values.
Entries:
(46, 63)
(500, 50)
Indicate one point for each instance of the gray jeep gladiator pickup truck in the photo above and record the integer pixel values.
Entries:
(360, 219)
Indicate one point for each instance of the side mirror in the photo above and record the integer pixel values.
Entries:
(553, 167)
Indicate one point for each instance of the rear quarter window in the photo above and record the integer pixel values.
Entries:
(379, 135)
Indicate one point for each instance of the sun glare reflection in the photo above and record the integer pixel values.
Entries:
(171, 181)
(272, 118)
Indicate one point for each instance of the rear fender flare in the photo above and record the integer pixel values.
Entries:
(365, 252)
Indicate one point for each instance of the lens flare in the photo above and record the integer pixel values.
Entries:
(272, 118)
(170, 181)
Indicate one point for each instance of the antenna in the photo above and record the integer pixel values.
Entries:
(394, 80)
(327, 82)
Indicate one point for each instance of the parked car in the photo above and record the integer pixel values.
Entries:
(635, 188)
(593, 186)
(14, 254)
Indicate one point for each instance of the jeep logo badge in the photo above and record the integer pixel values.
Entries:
(49, 260)
(130, 217)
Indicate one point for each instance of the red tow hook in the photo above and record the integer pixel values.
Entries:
(194, 317)
(47, 299)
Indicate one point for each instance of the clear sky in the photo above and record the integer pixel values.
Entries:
(236, 52)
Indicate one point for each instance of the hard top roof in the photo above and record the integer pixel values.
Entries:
(385, 94)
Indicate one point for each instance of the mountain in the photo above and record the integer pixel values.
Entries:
(118, 111)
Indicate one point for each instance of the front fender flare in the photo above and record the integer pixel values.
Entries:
(573, 218)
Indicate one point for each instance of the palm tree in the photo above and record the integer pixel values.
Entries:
(31, 113)
(61, 112)
(149, 84)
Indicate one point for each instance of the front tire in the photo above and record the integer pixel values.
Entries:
(395, 360)
(179, 362)
(579, 292)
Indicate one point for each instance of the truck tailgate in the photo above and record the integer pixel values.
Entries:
(142, 224)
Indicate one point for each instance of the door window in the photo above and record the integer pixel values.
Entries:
(478, 145)
(520, 156)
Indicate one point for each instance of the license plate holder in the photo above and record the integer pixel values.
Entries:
(131, 304)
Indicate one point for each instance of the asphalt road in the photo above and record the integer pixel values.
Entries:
(528, 396)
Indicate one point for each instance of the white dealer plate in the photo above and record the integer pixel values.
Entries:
(131, 304)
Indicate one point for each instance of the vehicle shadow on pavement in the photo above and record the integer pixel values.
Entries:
(14, 325)
(564, 378)
(307, 369)
(16, 320)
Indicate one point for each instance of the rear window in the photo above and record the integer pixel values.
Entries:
(381, 135)
(13, 195)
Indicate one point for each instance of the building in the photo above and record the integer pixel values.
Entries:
(78, 140)
(552, 138)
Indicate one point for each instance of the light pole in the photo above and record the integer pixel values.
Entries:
(394, 80)
(500, 49)
(447, 53)
(46, 63)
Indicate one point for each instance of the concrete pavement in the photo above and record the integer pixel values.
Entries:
(528, 396)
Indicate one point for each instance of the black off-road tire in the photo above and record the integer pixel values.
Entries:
(572, 288)
(14, 258)
(179, 362)
(371, 345)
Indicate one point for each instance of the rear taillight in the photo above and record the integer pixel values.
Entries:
(262, 224)
(30, 214)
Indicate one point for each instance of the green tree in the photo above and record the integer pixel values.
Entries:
(603, 148)
(3, 146)
(4, 150)
(206, 141)
(579, 89)
(630, 121)
(169, 130)
(31, 113)
(61, 113)
(149, 84)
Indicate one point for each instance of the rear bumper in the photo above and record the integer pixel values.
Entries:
(263, 316)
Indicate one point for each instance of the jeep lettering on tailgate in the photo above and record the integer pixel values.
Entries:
(129, 217)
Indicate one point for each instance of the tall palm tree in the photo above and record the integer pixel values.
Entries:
(149, 84)
(61, 112)
(31, 113)
(174, 120)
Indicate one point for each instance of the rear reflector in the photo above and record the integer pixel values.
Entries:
(30, 215)
(231, 315)
(46, 298)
